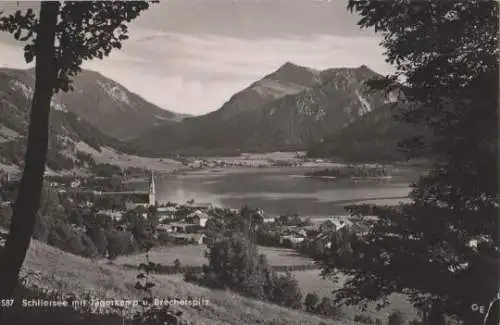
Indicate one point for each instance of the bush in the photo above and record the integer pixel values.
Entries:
(311, 301)
(191, 276)
(396, 318)
(328, 308)
(364, 319)
(119, 243)
(287, 292)
(177, 265)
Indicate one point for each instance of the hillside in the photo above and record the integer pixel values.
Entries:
(101, 102)
(286, 110)
(289, 79)
(66, 128)
(372, 137)
(49, 268)
(71, 136)
(112, 108)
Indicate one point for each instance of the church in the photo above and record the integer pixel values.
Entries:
(144, 199)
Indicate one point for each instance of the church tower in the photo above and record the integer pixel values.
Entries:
(152, 190)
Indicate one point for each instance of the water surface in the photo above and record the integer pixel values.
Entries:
(279, 191)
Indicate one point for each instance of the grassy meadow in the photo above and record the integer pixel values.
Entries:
(47, 267)
(194, 255)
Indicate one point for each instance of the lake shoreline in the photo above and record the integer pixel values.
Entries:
(278, 190)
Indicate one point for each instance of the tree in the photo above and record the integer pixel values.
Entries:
(61, 37)
(327, 308)
(287, 291)
(311, 301)
(118, 244)
(98, 236)
(177, 265)
(234, 261)
(441, 249)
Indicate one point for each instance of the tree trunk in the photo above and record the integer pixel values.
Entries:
(30, 187)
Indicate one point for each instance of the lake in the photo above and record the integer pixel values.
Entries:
(280, 190)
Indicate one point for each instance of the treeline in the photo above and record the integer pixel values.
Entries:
(359, 171)
(235, 264)
(192, 269)
(62, 223)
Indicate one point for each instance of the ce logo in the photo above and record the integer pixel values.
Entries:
(476, 307)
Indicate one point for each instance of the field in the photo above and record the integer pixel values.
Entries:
(110, 156)
(309, 281)
(50, 268)
(194, 255)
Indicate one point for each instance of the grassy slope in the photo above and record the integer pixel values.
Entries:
(56, 269)
(194, 255)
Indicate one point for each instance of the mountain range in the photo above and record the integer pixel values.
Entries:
(67, 129)
(329, 113)
(288, 109)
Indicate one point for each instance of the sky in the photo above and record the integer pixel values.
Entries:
(191, 56)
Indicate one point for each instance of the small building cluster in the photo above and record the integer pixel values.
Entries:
(183, 223)
(320, 230)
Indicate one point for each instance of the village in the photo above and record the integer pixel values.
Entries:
(109, 200)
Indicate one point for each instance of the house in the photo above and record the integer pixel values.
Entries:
(80, 230)
(114, 215)
(199, 206)
(85, 204)
(164, 217)
(185, 239)
(333, 224)
(293, 239)
(166, 210)
(198, 218)
(75, 184)
(182, 227)
(325, 239)
(164, 228)
(300, 233)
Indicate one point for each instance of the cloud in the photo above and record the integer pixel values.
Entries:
(12, 56)
(196, 74)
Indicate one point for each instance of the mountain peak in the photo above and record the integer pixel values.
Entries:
(365, 69)
(289, 65)
(291, 73)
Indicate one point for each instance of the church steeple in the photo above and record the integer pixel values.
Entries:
(152, 190)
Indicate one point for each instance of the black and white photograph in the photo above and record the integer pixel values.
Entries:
(253, 162)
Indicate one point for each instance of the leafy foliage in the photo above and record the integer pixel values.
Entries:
(235, 263)
(311, 301)
(396, 318)
(442, 249)
(62, 37)
(85, 30)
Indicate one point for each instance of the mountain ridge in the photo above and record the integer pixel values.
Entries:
(289, 120)
(66, 128)
(102, 101)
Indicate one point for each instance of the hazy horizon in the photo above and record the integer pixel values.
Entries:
(191, 56)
